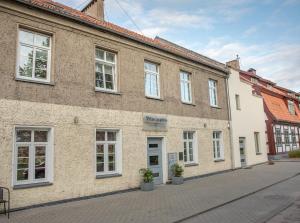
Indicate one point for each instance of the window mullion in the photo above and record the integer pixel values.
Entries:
(105, 157)
(33, 62)
(104, 79)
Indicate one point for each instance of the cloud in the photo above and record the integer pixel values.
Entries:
(251, 30)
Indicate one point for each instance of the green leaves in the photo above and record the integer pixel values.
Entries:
(147, 175)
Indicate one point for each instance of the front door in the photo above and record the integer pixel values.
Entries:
(154, 159)
(242, 151)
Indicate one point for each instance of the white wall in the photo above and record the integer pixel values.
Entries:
(249, 119)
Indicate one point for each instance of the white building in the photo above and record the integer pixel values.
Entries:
(247, 120)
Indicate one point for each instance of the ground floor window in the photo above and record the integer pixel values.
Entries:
(278, 137)
(217, 145)
(294, 140)
(107, 152)
(286, 136)
(33, 151)
(189, 146)
(256, 140)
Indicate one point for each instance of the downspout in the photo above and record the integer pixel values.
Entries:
(229, 122)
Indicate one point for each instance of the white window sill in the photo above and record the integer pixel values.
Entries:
(219, 160)
(34, 81)
(191, 164)
(108, 175)
(154, 98)
(31, 185)
(215, 106)
(107, 91)
(188, 103)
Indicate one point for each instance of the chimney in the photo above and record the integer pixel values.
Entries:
(235, 64)
(253, 71)
(95, 9)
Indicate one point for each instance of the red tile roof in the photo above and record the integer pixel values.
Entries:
(77, 15)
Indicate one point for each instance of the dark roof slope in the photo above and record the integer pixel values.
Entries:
(68, 12)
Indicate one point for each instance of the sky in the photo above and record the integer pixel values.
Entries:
(265, 34)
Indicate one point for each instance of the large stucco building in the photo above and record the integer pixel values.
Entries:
(84, 104)
(248, 118)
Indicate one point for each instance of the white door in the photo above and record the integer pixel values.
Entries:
(154, 159)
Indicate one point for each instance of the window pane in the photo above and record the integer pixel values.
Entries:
(148, 84)
(100, 149)
(100, 167)
(110, 57)
(190, 135)
(108, 70)
(111, 136)
(111, 148)
(151, 67)
(40, 151)
(111, 166)
(42, 40)
(23, 151)
(100, 136)
(40, 161)
(41, 136)
(100, 158)
(185, 135)
(41, 64)
(99, 54)
(40, 173)
(111, 158)
(153, 160)
(26, 61)
(23, 163)
(22, 174)
(23, 136)
(26, 37)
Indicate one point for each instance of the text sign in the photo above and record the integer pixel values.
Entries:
(155, 119)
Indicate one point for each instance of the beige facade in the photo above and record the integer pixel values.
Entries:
(70, 106)
(247, 118)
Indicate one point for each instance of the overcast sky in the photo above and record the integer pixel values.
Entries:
(264, 33)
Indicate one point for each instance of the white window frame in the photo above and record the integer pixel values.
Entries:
(48, 156)
(152, 73)
(104, 62)
(238, 102)
(278, 135)
(286, 136)
(213, 92)
(257, 142)
(293, 137)
(186, 84)
(49, 49)
(291, 107)
(118, 152)
(220, 140)
(194, 144)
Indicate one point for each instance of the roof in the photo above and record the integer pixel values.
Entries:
(279, 109)
(76, 15)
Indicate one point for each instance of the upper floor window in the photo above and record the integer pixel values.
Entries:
(254, 80)
(213, 93)
(189, 146)
(291, 107)
(32, 155)
(217, 145)
(151, 80)
(237, 102)
(185, 86)
(34, 56)
(105, 70)
(256, 140)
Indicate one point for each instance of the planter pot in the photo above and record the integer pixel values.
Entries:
(147, 186)
(177, 180)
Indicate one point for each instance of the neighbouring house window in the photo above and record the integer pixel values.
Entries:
(106, 77)
(185, 86)
(213, 93)
(286, 137)
(189, 146)
(151, 80)
(107, 152)
(217, 145)
(294, 140)
(269, 86)
(291, 107)
(256, 140)
(278, 137)
(32, 155)
(254, 80)
(34, 56)
(237, 102)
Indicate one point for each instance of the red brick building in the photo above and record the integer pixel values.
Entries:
(282, 109)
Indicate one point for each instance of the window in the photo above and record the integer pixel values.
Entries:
(32, 155)
(270, 87)
(151, 80)
(108, 152)
(294, 140)
(217, 145)
(34, 56)
(185, 86)
(189, 146)
(254, 80)
(237, 102)
(256, 140)
(278, 137)
(105, 70)
(213, 93)
(286, 137)
(291, 107)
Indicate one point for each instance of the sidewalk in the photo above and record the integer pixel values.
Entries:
(168, 203)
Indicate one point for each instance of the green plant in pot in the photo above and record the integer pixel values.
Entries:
(177, 172)
(147, 179)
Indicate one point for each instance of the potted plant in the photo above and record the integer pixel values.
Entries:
(177, 172)
(147, 181)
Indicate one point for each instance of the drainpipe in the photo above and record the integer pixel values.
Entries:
(229, 122)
